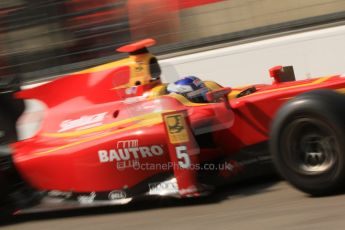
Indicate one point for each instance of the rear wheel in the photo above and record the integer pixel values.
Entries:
(307, 142)
(14, 192)
(10, 111)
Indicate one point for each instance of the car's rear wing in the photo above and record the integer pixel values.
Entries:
(90, 88)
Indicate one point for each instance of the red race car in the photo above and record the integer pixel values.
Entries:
(113, 133)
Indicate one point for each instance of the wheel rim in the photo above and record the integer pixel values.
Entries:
(310, 146)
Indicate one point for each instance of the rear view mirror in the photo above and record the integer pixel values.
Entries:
(282, 74)
(217, 94)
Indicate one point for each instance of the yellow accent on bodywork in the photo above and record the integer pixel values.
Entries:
(317, 81)
(143, 123)
(341, 90)
(140, 118)
(139, 69)
(233, 94)
(158, 91)
(212, 85)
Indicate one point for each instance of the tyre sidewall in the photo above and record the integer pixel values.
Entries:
(327, 107)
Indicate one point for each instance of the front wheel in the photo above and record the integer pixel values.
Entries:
(307, 142)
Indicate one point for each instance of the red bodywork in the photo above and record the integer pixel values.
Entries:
(92, 131)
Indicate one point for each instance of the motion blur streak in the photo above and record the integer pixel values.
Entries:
(45, 38)
(261, 205)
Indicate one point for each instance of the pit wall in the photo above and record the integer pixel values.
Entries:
(314, 53)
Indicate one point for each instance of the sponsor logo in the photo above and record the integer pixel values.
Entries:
(139, 67)
(188, 191)
(129, 150)
(60, 194)
(131, 90)
(87, 199)
(117, 195)
(162, 188)
(176, 126)
(127, 144)
(198, 82)
(83, 122)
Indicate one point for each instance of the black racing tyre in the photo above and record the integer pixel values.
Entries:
(10, 110)
(307, 142)
(6, 206)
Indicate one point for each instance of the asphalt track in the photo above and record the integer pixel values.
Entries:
(264, 204)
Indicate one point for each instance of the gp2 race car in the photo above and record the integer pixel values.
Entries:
(112, 133)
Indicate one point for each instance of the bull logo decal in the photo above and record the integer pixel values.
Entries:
(176, 128)
(175, 124)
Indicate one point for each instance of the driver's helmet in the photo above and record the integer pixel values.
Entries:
(191, 87)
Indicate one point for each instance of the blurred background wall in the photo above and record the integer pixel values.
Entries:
(44, 38)
(231, 16)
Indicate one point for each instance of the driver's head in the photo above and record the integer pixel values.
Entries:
(191, 87)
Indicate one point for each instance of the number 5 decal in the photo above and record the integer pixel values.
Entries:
(183, 157)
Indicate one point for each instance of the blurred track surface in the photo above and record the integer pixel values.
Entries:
(267, 204)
